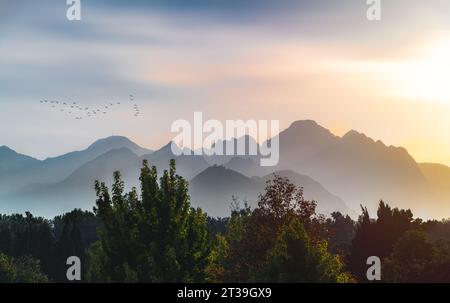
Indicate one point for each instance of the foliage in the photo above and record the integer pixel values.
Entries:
(377, 237)
(341, 230)
(22, 270)
(155, 238)
(417, 259)
(295, 258)
(282, 240)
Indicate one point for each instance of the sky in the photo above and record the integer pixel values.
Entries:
(231, 59)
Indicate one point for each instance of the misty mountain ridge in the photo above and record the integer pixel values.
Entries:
(353, 167)
(11, 160)
(214, 188)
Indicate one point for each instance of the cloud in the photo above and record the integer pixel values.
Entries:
(286, 59)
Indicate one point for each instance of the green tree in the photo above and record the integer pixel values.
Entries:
(69, 243)
(295, 258)
(157, 237)
(341, 230)
(417, 259)
(282, 240)
(24, 269)
(26, 235)
(377, 237)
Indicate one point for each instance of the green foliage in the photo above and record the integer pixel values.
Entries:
(377, 237)
(156, 237)
(49, 241)
(22, 270)
(416, 259)
(69, 243)
(282, 240)
(341, 229)
(295, 258)
(27, 236)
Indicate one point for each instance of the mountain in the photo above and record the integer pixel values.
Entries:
(438, 177)
(213, 190)
(56, 169)
(246, 166)
(11, 161)
(187, 165)
(77, 190)
(62, 166)
(355, 167)
(232, 144)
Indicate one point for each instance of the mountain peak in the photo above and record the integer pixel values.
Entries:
(220, 172)
(304, 123)
(308, 127)
(353, 133)
(117, 142)
(304, 133)
(357, 137)
(6, 150)
(111, 140)
(167, 149)
(12, 160)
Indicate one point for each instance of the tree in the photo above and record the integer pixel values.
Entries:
(341, 230)
(295, 258)
(417, 259)
(279, 241)
(377, 237)
(69, 244)
(27, 236)
(157, 237)
(22, 270)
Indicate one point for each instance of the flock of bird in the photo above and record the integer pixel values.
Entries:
(79, 111)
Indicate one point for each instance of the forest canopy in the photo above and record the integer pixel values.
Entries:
(153, 234)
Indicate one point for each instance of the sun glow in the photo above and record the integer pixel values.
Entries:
(426, 78)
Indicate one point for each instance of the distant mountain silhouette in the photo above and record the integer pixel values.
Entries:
(11, 161)
(214, 188)
(56, 169)
(438, 176)
(246, 166)
(187, 165)
(77, 190)
(355, 167)
(235, 142)
(62, 166)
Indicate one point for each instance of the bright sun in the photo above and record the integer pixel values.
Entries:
(426, 78)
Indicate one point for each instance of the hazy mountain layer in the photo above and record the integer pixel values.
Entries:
(354, 167)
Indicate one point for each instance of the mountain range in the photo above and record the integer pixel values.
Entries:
(339, 172)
